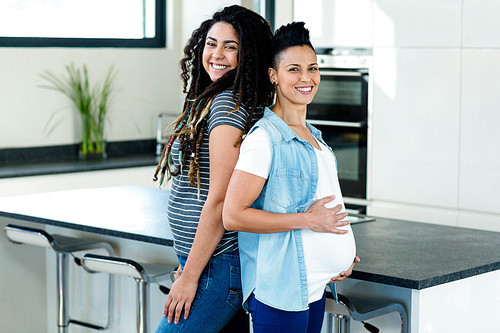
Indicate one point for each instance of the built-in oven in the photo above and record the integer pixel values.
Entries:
(340, 111)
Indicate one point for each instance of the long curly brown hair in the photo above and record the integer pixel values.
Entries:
(249, 83)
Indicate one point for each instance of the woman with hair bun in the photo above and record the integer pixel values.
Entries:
(284, 197)
(224, 71)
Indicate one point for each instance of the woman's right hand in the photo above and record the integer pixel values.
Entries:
(327, 219)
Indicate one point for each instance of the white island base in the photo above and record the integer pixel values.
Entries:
(467, 305)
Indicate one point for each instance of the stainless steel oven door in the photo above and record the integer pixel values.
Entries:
(342, 96)
(349, 143)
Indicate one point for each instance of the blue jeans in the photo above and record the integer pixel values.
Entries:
(217, 299)
(267, 319)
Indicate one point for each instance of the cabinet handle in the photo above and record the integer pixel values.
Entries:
(360, 124)
(338, 73)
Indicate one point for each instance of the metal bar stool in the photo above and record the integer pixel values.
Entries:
(63, 246)
(143, 274)
(360, 309)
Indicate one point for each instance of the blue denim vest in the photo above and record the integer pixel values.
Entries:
(272, 265)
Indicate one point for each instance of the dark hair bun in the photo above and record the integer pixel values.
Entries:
(290, 35)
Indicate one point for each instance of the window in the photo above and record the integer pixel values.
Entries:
(266, 8)
(82, 23)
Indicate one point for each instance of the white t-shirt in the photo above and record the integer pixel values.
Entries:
(326, 254)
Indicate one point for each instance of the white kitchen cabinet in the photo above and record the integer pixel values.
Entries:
(481, 26)
(283, 12)
(415, 126)
(479, 188)
(426, 23)
(336, 22)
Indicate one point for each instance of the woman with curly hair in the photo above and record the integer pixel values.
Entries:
(224, 71)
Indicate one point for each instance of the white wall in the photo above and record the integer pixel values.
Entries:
(195, 12)
(147, 83)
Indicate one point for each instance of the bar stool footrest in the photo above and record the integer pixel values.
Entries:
(364, 309)
(85, 324)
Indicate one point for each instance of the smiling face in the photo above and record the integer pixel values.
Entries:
(220, 53)
(297, 75)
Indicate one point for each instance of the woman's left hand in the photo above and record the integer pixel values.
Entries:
(180, 299)
(345, 274)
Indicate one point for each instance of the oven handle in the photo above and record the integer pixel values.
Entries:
(337, 123)
(338, 73)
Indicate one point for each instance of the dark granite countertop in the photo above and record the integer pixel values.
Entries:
(35, 161)
(420, 255)
(394, 252)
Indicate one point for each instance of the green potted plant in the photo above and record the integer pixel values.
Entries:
(91, 102)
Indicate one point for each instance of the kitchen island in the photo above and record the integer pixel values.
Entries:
(448, 278)
(441, 274)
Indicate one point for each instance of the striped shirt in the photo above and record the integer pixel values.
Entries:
(184, 207)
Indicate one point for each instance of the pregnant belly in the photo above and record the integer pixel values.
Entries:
(327, 255)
